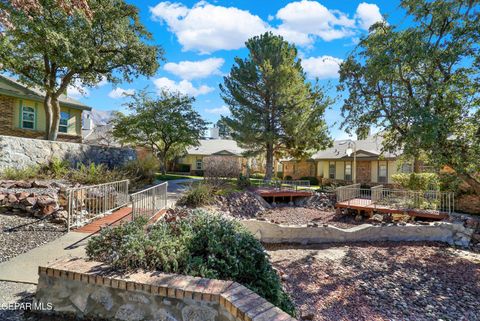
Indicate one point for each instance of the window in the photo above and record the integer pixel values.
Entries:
(63, 126)
(406, 168)
(348, 171)
(331, 170)
(28, 117)
(198, 165)
(382, 173)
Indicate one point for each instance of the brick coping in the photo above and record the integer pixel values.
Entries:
(241, 302)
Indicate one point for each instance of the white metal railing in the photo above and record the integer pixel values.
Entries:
(290, 185)
(150, 201)
(89, 202)
(378, 196)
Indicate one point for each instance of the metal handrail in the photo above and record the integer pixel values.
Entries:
(150, 201)
(86, 203)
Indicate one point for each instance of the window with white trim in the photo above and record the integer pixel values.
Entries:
(348, 171)
(382, 173)
(28, 117)
(198, 165)
(331, 170)
(63, 126)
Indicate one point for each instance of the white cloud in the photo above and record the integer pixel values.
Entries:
(184, 87)
(207, 28)
(76, 90)
(118, 93)
(323, 67)
(367, 14)
(303, 21)
(224, 110)
(195, 69)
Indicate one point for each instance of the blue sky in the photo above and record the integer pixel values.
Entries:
(201, 39)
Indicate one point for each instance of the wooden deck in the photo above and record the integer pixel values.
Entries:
(369, 207)
(271, 192)
(122, 215)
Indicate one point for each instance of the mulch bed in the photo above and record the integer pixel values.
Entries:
(381, 281)
(302, 215)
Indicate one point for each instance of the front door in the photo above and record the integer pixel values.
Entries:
(364, 172)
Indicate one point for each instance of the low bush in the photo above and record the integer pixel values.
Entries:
(417, 181)
(16, 174)
(196, 243)
(243, 182)
(56, 168)
(93, 174)
(141, 171)
(313, 180)
(199, 195)
(257, 175)
(288, 178)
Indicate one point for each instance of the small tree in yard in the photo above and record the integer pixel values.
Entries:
(218, 170)
(274, 110)
(421, 85)
(166, 125)
(53, 44)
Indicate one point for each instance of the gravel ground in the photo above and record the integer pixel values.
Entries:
(381, 281)
(302, 215)
(20, 234)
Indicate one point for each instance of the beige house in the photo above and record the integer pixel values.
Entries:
(193, 161)
(372, 166)
(22, 113)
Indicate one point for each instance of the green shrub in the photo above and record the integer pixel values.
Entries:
(257, 175)
(417, 181)
(56, 168)
(279, 175)
(141, 171)
(243, 182)
(199, 195)
(313, 180)
(288, 178)
(93, 174)
(197, 243)
(20, 174)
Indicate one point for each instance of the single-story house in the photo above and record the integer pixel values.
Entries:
(193, 161)
(335, 164)
(22, 113)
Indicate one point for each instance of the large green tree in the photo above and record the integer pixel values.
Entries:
(275, 111)
(53, 46)
(420, 84)
(166, 125)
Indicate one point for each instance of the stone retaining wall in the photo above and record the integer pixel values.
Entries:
(451, 233)
(21, 152)
(90, 289)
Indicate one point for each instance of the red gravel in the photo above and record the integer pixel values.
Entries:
(303, 215)
(391, 281)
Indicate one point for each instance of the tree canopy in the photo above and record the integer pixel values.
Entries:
(274, 109)
(420, 85)
(52, 47)
(166, 125)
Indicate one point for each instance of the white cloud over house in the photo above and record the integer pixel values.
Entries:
(183, 86)
(195, 69)
(367, 14)
(77, 90)
(207, 28)
(223, 110)
(118, 93)
(323, 67)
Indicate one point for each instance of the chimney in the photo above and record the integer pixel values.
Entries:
(88, 122)
(214, 133)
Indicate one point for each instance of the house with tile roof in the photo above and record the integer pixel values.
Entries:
(22, 113)
(337, 163)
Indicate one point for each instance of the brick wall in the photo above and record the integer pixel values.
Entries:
(9, 129)
(299, 169)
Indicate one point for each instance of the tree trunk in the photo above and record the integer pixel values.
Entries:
(417, 165)
(472, 181)
(269, 160)
(53, 133)
(47, 105)
(164, 166)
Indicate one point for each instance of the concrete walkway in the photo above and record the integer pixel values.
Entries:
(176, 188)
(24, 268)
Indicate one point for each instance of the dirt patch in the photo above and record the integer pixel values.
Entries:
(381, 281)
(304, 215)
